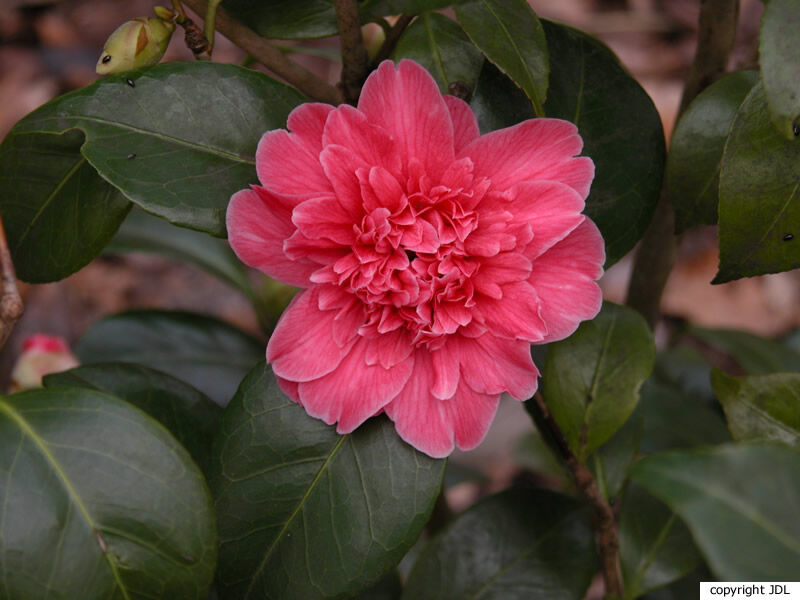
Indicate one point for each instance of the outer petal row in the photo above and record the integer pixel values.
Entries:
(537, 149)
(436, 426)
(258, 223)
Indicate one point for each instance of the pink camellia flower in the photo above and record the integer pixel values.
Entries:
(41, 355)
(431, 256)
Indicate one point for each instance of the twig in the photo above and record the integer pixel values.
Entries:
(210, 23)
(658, 249)
(355, 61)
(11, 307)
(605, 523)
(392, 37)
(269, 56)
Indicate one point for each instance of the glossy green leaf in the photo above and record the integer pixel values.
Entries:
(511, 36)
(99, 503)
(205, 352)
(695, 150)
(740, 503)
(286, 19)
(519, 544)
(440, 45)
(611, 461)
(618, 122)
(177, 139)
(759, 187)
(591, 380)
(187, 413)
(755, 354)
(656, 548)
(779, 59)
(142, 232)
(765, 407)
(57, 212)
(304, 512)
(497, 102)
(675, 419)
(621, 131)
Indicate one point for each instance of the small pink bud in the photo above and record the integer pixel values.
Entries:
(41, 354)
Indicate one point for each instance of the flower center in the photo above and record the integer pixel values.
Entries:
(411, 269)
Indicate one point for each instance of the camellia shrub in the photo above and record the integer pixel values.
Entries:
(439, 220)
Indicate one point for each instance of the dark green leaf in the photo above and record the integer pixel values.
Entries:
(286, 19)
(766, 407)
(304, 512)
(755, 354)
(520, 544)
(497, 102)
(685, 369)
(99, 502)
(591, 380)
(611, 461)
(656, 548)
(675, 419)
(190, 415)
(439, 44)
(57, 212)
(621, 130)
(695, 150)
(759, 212)
(510, 35)
(740, 503)
(179, 141)
(779, 59)
(205, 352)
(388, 588)
(142, 232)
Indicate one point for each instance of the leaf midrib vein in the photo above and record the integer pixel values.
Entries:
(745, 510)
(294, 514)
(522, 555)
(74, 169)
(156, 134)
(514, 45)
(760, 243)
(41, 445)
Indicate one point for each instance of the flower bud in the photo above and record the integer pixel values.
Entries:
(163, 13)
(41, 354)
(135, 44)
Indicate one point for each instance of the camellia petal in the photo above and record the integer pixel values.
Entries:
(537, 149)
(434, 256)
(564, 279)
(258, 224)
(465, 125)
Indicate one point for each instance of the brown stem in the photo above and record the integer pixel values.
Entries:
(269, 56)
(11, 307)
(392, 37)
(355, 61)
(658, 249)
(605, 524)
